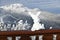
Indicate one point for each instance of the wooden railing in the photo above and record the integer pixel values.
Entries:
(25, 35)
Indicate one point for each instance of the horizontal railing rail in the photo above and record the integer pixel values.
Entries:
(25, 35)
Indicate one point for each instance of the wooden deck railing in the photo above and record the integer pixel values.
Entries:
(25, 35)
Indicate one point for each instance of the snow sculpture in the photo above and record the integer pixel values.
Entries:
(36, 25)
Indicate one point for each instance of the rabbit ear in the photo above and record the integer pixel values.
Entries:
(30, 13)
(38, 13)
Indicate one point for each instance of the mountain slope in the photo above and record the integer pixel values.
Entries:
(20, 12)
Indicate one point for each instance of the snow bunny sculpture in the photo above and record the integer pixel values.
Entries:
(36, 25)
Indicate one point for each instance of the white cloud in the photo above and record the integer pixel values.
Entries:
(14, 8)
(18, 8)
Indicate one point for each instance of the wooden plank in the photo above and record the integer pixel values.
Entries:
(30, 33)
(48, 37)
(46, 33)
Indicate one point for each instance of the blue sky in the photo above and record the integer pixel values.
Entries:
(46, 5)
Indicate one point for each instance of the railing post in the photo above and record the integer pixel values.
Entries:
(58, 37)
(13, 38)
(25, 37)
(37, 37)
(3, 37)
(48, 37)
